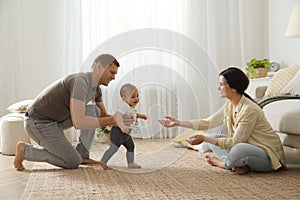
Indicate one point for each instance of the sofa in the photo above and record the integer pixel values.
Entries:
(280, 100)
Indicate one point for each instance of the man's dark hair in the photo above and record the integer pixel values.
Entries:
(106, 60)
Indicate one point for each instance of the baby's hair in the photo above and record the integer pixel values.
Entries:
(127, 89)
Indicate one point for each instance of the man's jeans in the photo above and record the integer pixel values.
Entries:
(54, 148)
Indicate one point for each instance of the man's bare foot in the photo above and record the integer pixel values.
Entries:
(241, 170)
(214, 160)
(103, 165)
(18, 161)
(133, 165)
(89, 161)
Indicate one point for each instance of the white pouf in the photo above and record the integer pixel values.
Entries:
(11, 132)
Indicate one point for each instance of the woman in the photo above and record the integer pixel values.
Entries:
(251, 143)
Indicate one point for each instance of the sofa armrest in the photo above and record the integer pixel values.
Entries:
(264, 101)
(260, 91)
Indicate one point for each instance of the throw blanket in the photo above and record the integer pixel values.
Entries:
(264, 101)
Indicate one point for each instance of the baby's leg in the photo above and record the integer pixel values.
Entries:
(129, 145)
(116, 140)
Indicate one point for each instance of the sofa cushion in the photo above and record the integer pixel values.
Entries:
(290, 140)
(293, 87)
(20, 107)
(280, 80)
(284, 116)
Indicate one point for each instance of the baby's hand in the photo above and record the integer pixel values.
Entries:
(144, 117)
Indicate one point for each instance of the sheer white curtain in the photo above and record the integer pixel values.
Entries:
(40, 42)
(173, 51)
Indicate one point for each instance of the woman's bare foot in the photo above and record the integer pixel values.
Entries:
(18, 161)
(214, 160)
(103, 165)
(133, 165)
(241, 170)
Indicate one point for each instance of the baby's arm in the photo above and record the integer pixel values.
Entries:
(119, 120)
(142, 116)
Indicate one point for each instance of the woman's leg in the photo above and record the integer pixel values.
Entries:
(54, 147)
(246, 156)
(220, 159)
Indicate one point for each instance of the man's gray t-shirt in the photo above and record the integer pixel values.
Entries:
(53, 103)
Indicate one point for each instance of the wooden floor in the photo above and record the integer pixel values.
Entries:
(13, 183)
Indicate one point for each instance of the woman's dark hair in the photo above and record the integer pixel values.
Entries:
(237, 80)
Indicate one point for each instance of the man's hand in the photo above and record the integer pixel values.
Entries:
(124, 129)
(128, 120)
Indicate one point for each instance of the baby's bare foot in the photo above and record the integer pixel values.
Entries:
(18, 161)
(133, 165)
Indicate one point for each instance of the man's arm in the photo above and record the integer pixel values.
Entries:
(119, 120)
(103, 112)
(82, 121)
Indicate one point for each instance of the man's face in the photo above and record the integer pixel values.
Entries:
(108, 74)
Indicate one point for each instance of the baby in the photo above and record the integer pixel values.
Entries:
(120, 135)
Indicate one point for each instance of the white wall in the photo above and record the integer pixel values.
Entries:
(283, 50)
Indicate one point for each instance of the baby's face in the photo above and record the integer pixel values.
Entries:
(133, 98)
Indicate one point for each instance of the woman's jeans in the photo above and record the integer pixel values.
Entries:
(54, 148)
(243, 154)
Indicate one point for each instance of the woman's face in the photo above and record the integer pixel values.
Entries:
(225, 90)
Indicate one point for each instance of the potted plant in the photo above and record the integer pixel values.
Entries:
(258, 68)
(103, 134)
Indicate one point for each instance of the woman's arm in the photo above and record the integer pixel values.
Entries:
(172, 122)
(198, 139)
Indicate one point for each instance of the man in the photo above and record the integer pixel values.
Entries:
(74, 100)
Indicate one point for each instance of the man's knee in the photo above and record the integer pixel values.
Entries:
(73, 163)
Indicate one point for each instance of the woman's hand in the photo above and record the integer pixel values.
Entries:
(169, 122)
(196, 139)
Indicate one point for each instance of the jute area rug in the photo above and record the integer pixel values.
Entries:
(167, 173)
